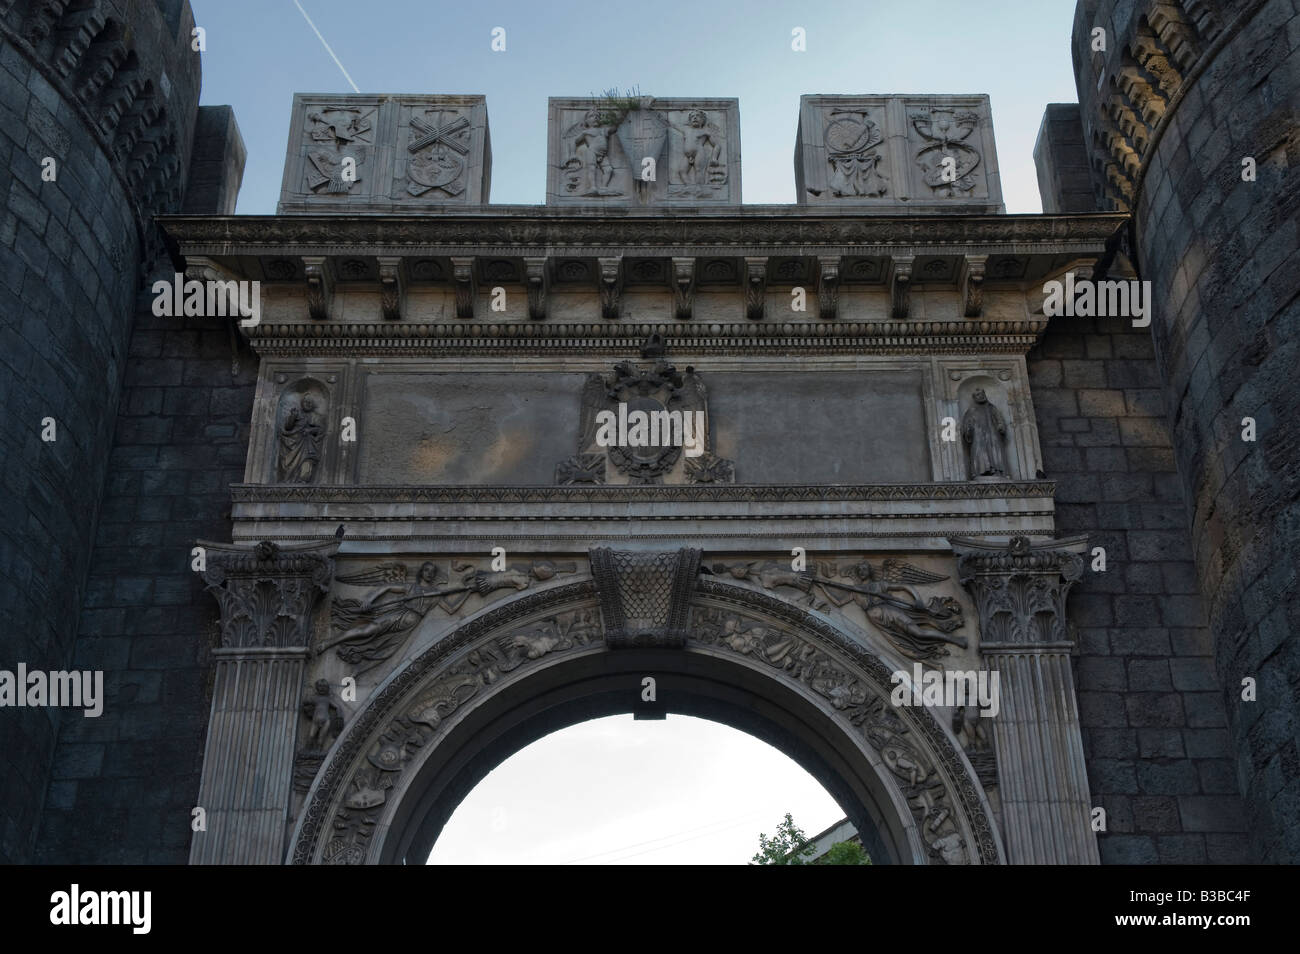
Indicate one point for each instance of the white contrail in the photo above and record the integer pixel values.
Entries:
(326, 45)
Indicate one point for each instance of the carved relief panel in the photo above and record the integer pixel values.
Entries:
(643, 151)
(380, 153)
(897, 153)
(645, 424)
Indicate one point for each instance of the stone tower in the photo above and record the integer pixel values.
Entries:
(100, 106)
(1190, 118)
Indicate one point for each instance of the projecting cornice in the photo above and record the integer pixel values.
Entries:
(392, 268)
(698, 232)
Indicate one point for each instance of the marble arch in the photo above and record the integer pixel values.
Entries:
(441, 722)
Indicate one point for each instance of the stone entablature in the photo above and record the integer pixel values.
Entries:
(718, 265)
(897, 153)
(536, 520)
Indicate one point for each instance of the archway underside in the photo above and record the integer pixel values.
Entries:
(540, 663)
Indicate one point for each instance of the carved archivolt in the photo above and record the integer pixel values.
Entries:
(380, 753)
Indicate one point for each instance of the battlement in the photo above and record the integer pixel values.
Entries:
(896, 154)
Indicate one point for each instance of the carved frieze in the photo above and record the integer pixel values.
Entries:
(862, 702)
(373, 764)
(642, 151)
(918, 627)
(370, 629)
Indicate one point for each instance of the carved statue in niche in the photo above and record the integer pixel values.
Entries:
(983, 429)
(701, 166)
(851, 137)
(438, 149)
(301, 438)
(337, 132)
(372, 629)
(918, 628)
(596, 165)
(945, 130)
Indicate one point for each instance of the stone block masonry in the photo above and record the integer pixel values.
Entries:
(180, 440)
(1222, 251)
(1154, 727)
(89, 150)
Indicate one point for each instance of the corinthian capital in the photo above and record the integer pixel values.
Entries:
(267, 592)
(1020, 588)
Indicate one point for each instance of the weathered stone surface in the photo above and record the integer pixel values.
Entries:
(116, 134)
(386, 152)
(1136, 677)
(1186, 93)
(643, 151)
(897, 153)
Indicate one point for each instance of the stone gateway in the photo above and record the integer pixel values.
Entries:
(473, 473)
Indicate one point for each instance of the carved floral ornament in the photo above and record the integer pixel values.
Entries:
(267, 592)
(379, 755)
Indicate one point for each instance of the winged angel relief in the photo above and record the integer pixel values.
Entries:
(369, 630)
(918, 628)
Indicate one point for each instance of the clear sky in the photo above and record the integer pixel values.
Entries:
(260, 52)
(614, 790)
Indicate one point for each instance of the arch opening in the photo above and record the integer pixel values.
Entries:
(634, 790)
(540, 662)
(605, 684)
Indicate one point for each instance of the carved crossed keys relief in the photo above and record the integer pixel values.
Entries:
(438, 147)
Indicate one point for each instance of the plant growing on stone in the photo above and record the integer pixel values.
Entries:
(613, 105)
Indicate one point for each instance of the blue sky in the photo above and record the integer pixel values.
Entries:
(685, 791)
(260, 52)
